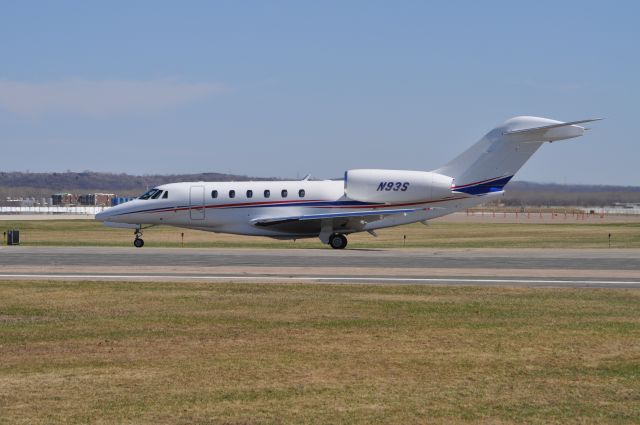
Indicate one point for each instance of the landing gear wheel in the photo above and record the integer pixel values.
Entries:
(138, 242)
(338, 241)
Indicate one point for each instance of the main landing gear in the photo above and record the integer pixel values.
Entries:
(138, 242)
(338, 241)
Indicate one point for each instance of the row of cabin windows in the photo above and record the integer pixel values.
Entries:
(267, 193)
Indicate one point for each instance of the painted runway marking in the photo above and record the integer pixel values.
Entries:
(325, 278)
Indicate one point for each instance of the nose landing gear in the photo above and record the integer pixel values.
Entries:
(138, 242)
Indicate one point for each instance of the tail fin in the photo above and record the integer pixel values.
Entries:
(488, 165)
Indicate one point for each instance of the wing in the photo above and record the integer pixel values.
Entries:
(347, 221)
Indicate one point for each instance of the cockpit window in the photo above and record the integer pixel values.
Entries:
(156, 195)
(166, 195)
(149, 193)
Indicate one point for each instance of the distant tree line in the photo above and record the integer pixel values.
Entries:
(540, 194)
(42, 185)
(105, 181)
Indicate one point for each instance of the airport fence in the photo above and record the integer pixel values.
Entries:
(76, 210)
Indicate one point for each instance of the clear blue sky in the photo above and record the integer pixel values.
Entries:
(274, 88)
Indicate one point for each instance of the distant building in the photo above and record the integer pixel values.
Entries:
(64, 199)
(121, 200)
(96, 199)
(22, 202)
(87, 199)
(628, 205)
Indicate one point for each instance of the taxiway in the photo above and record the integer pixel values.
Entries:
(523, 267)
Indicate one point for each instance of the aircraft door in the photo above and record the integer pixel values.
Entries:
(196, 203)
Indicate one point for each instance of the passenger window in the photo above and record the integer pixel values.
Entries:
(156, 195)
(214, 194)
(166, 195)
(301, 193)
(232, 194)
(284, 193)
(267, 193)
(249, 193)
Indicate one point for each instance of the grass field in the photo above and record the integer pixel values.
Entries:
(436, 235)
(78, 352)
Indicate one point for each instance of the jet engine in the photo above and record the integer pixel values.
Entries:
(390, 186)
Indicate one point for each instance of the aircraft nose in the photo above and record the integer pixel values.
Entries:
(103, 215)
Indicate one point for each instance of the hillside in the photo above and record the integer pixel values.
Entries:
(21, 184)
(520, 193)
(16, 184)
(104, 181)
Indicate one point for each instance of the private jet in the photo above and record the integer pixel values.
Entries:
(364, 201)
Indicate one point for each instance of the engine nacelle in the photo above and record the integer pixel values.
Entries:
(396, 185)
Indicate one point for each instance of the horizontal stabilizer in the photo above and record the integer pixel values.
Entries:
(549, 127)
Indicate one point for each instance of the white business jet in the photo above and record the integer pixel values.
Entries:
(364, 201)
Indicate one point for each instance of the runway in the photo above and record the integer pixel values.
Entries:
(613, 268)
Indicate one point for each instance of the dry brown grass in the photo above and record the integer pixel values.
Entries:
(439, 234)
(80, 352)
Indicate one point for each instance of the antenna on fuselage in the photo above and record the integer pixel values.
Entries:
(307, 177)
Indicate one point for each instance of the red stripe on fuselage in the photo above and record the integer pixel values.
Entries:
(292, 203)
(243, 204)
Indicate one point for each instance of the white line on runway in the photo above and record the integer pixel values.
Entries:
(324, 278)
